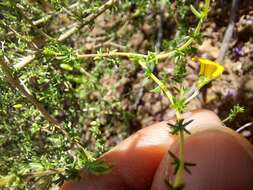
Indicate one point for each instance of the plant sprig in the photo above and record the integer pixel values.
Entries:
(233, 112)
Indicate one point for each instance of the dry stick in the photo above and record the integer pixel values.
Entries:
(111, 54)
(16, 83)
(159, 40)
(242, 128)
(87, 20)
(160, 27)
(229, 31)
(77, 26)
(51, 15)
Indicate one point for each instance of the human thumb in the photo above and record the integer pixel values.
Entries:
(223, 158)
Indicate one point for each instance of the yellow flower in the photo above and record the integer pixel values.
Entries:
(209, 70)
(18, 106)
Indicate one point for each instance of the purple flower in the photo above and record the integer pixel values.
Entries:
(238, 51)
(232, 93)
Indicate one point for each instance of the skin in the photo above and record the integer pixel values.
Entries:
(224, 159)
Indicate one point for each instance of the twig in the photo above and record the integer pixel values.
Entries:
(239, 130)
(24, 61)
(51, 15)
(160, 27)
(229, 31)
(109, 43)
(87, 20)
(138, 98)
(16, 83)
(113, 44)
(158, 44)
(111, 54)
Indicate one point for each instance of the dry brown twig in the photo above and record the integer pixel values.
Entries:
(229, 32)
(51, 15)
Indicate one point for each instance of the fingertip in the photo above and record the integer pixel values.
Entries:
(223, 161)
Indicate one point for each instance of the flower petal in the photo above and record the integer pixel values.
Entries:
(209, 70)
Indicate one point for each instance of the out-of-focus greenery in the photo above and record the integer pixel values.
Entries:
(34, 154)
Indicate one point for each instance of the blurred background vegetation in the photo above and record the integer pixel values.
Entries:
(97, 103)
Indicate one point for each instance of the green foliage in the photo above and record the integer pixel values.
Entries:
(234, 111)
(33, 153)
(85, 96)
(180, 68)
(180, 126)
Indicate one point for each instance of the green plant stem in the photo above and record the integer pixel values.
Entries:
(180, 172)
(159, 56)
(179, 175)
(110, 3)
(192, 38)
(143, 65)
(163, 87)
(227, 119)
(111, 54)
(158, 82)
(44, 173)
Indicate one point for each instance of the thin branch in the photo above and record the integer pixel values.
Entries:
(111, 54)
(229, 31)
(51, 15)
(108, 43)
(17, 84)
(160, 27)
(87, 20)
(24, 61)
(42, 20)
(242, 128)
(113, 44)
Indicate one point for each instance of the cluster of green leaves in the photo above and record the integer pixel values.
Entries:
(233, 112)
(33, 153)
(175, 129)
(184, 21)
(38, 155)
